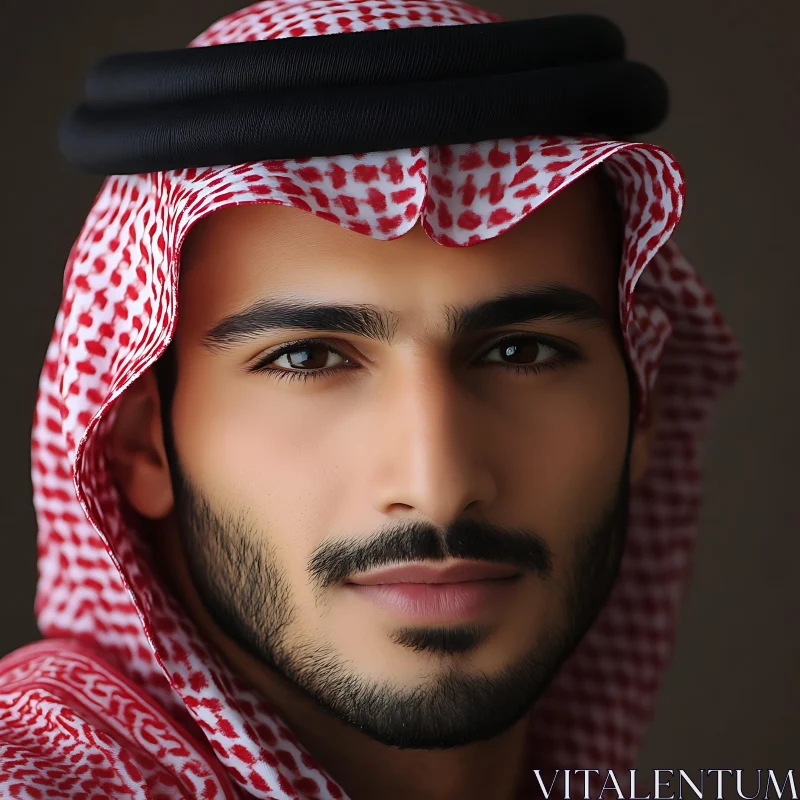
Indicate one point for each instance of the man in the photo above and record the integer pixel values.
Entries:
(399, 504)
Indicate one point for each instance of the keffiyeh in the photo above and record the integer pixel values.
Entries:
(124, 698)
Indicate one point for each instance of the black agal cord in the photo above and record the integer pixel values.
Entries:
(360, 92)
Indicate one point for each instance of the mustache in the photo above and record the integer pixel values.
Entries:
(416, 540)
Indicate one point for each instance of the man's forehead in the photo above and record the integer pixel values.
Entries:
(244, 254)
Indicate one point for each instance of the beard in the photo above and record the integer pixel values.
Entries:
(249, 596)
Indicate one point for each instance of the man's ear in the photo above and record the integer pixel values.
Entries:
(643, 436)
(136, 449)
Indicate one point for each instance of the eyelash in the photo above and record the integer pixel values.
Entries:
(566, 355)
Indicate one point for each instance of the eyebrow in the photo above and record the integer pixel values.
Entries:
(554, 301)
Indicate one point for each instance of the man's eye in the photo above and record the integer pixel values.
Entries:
(314, 355)
(522, 350)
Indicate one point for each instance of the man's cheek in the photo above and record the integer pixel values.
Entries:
(569, 480)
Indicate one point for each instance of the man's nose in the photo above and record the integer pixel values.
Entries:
(432, 453)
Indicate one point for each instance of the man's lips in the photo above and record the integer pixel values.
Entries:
(461, 591)
(461, 572)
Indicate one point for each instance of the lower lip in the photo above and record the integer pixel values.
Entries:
(439, 601)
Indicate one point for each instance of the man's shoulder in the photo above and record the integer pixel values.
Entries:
(48, 655)
(71, 723)
(70, 673)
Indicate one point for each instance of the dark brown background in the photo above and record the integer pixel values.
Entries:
(732, 697)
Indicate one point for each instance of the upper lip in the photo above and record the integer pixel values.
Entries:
(423, 573)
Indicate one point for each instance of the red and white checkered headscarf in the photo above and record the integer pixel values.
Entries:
(124, 698)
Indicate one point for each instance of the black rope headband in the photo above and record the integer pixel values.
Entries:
(360, 92)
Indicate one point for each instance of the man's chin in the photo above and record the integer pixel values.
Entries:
(438, 717)
(445, 702)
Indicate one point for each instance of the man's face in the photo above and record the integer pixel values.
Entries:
(300, 468)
